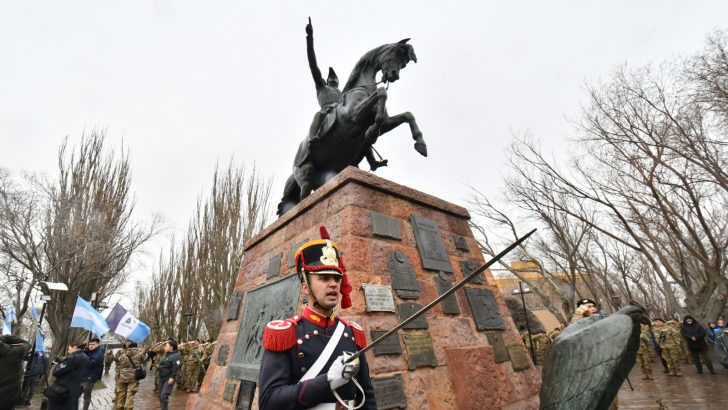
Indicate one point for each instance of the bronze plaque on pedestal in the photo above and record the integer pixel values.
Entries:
(519, 357)
(245, 395)
(485, 309)
(292, 253)
(229, 392)
(233, 306)
(468, 267)
(419, 350)
(450, 303)
(460, 243)
(390, 345)
(378, 298)
(274, 266)
(222, 355)
(408, 309)
(404, 280)
(385, 226)
(430, 244)
(389, 392)
(495, 340)
(273, 301)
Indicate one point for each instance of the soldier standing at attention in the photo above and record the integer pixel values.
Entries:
(168, 371)
(157, 351)
(669, 340)
(108, 359)
(643, 354)
(127, 385)
(295, 371)
(190, 352)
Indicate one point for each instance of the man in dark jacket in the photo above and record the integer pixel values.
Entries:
(94, 370)
(37, 368)
(68, 374)
(12, 351)
(168, 370)
(694, 335)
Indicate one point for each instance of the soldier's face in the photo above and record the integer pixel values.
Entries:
(325, 289)
(591, 309)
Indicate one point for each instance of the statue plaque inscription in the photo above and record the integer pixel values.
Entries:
(419, 350)
(403, 276)
(245, 395)
(485, 309)
(229, 392)
(378, 298)
(275, 300)
(390, 345)
(450, 303)
(429, 242)
(274, 266)
(389, 392)
(292, 253)
(222, 355)
(495, 340)
(460, 243)
(468, 267)
(385, 226)
(519, 357)
(233, 306)
(408, 309)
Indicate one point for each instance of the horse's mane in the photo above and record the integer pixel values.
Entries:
(366, 60)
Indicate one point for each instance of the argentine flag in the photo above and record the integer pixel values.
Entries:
(10, 319)
(85, 316)
(39, 337)
(124, 324)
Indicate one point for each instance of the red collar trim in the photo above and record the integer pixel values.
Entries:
(318, 319)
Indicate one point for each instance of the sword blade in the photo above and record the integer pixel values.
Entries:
(443, 296)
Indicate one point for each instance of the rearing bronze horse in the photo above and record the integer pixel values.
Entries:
(359, 120)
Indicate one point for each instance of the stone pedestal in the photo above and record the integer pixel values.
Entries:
(465, 354)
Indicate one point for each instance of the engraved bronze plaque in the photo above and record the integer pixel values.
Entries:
(273, 301)
(419, 350)
(245, 395)
(389, 392)
(233, 306)
(430, 244)
(292, 253)
(222, 355)
(519, 357)
(385, 226)
(408, 309)
(378, 298)
(274, 266)
(495, 340)
(485, 309)
(390, 345)
(468, 267)
(449, 304)
(404, 281)
(460, 243)
(229, 392)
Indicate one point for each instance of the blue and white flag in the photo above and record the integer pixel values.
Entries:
(85, 316)
(124, 324)
(39, 337)
(10, 319)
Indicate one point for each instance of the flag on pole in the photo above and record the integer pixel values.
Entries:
(10, 319)
(124, 324)
(39, 337)
(85, 316)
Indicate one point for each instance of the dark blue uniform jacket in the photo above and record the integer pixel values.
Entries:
(291, 348)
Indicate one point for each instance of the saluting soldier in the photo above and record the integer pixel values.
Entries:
(295, 372)
(669, 340)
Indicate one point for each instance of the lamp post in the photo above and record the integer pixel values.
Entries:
(522, 292)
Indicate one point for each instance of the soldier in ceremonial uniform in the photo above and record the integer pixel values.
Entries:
(297, 370)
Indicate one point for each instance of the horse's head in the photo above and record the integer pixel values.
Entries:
(395, 58)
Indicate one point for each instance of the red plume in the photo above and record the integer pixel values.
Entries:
(345, 286)
(324, 233)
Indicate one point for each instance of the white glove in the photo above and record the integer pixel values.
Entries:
(341, 373)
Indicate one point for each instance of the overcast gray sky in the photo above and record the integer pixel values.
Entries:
(185, 84)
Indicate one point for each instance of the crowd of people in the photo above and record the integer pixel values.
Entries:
(70, 378)
(672, 342)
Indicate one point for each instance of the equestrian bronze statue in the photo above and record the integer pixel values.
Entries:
(350, 121)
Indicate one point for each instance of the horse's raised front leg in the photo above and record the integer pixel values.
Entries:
(395, 121)
(375, 103)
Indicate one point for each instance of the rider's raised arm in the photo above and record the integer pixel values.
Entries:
(315, 72)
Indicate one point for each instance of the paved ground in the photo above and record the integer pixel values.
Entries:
(145, 399)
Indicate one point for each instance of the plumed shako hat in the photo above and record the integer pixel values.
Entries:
(322, 257)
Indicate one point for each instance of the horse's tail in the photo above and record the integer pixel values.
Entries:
(291, 196)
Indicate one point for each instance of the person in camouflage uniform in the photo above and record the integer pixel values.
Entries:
(192, 364)
(556, 332)
(527, 343)
(127, 385)
(669, 340)
(542, 343)
(643, 355)
(207, 349)
(108, 359)
(157, 352)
